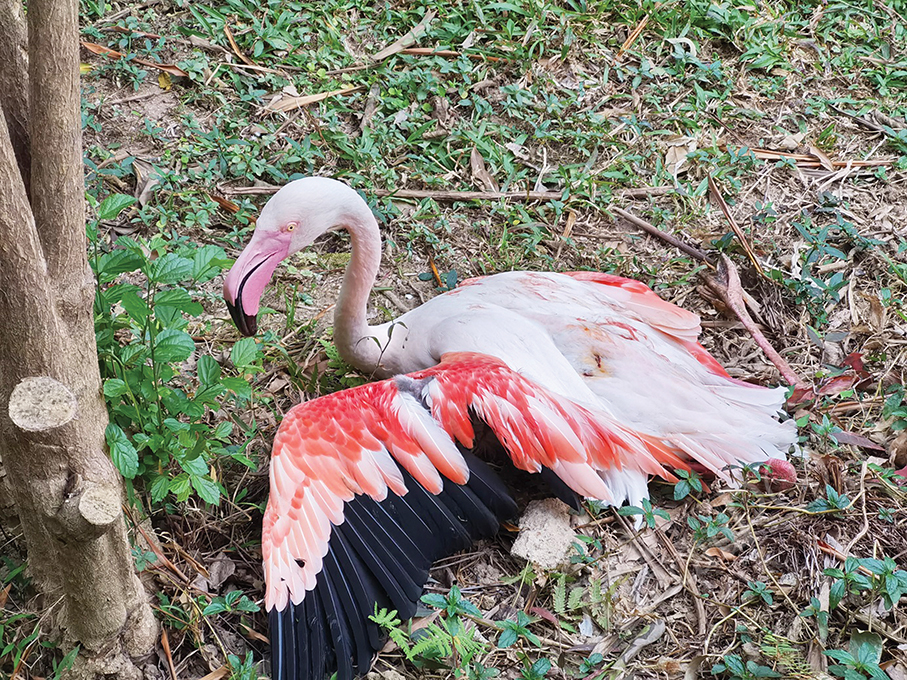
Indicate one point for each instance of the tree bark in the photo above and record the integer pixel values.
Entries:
(68, 493)
(14, 82)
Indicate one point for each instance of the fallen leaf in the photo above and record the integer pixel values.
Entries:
(289, 103)
(236, 49)
(217, 674)
(897, 450)
(220, 570)
(839, 383)
(545, 614)
(480, 173)
(676, 156)
(163, 81)
(172, 69)
(722, 554)
(407, 39)
(824, 160)
(791, 142)
(85, 68)
(855, 439)
(692, 671)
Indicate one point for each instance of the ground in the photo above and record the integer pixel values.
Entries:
(796, 111)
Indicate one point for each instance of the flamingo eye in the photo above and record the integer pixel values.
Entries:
(291, 226)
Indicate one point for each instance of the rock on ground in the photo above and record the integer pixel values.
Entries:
(545, 538)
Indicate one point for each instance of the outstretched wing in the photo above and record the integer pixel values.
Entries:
(369, 487)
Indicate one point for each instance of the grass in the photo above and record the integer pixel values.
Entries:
(554, 96)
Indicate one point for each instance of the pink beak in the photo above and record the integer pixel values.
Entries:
(247, 279)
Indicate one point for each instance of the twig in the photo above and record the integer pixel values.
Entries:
(865, 528)
(651, 229)
(719, 199)
(447, 195)
(432, 52)
(165, 643)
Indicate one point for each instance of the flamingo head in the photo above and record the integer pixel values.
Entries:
(291, 220)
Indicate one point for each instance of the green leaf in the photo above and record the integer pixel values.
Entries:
(239, 386)
(194, 466)
(435, 600)
(507, 639)
(206, 488)
(160, 485)
(208, 262)
(179, 298)
(836, 594)
(171, 268)
(113, 205)
(118, 262)
(208, 370)
(137, 309)
(244, 352)
(114, 387)
(223, 430)
(181, 486)
(173, 345)
(214, 608)
(122, 452)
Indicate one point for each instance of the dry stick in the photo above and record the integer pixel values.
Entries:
(664, 236)
(750, 253)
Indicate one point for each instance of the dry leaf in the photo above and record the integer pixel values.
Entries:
(824, 160)
(480, 173)
(163, 80)
(283, 105)
(791, 142)
(85, 68)
(406, 40)
(677, 154)
(723, 554)
(172, 69)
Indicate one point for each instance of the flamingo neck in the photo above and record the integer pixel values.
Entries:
(354, 338)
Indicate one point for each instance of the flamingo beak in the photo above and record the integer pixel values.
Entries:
(247, 279)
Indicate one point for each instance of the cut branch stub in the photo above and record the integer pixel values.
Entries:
(40, 404)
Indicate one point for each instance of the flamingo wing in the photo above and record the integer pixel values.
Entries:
(369, 486)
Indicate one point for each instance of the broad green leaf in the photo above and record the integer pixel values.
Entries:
(196, 467)
(181, 486)
(173, 345)
(239, 386)
(122, 452)
(508, 637)
(208, 262)
(214, 608)
(170, 268)
(114, 387)
(137, 309)
(160, 485)
(118, 262)
(207, 489)
(208, 370)
(113, 205)
(223, 429)
(179, 298)
(244, 352)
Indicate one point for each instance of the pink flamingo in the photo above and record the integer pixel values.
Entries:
(590, 379)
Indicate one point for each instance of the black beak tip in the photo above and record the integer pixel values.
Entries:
(247, 325)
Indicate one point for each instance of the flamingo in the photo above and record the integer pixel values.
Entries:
(589, 379)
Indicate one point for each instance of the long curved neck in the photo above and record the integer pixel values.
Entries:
(354, 338)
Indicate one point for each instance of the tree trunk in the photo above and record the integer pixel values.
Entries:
(14, 82)
(53, 417)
